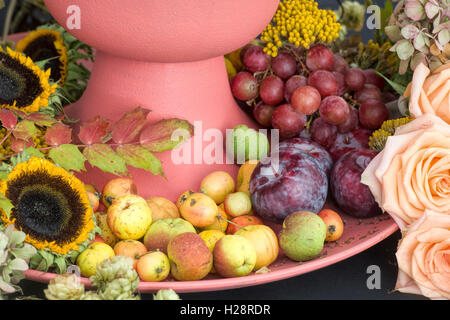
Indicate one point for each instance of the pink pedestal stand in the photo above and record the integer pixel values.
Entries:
(166, 56)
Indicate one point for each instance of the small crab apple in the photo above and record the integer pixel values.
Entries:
(117, 187)
(334, 223)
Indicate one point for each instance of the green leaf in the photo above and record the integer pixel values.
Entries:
(397, 87)
(24, 130)
(166, 134)
(386, 13)
(33, 152)
(26, 252)
(139, 157)
(5, 205)
(69, 157)
(103, 157)
(60, 263)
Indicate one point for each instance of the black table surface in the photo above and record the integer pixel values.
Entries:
(344, 280)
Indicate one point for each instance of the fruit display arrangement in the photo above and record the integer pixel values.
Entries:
(209, 231)
(363, 136)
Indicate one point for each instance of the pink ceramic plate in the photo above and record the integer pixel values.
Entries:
(358, 236)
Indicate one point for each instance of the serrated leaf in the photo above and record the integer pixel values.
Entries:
(103, 157)
(58, 134)
(18, 264)
(166, 134)
(60, 263)
(8, 119)
(19, 145)
(41, 119)
(24, 130)
(139, 157)
(33, 152)
(94, 131)
(69, 157)
(128, 127)
(6, 205)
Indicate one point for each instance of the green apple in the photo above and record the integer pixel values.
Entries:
(234, 256)
(244, 143)
(162, 231)
(302, 235)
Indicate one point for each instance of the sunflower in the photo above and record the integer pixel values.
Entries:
(23, 85)
(50, 206)
(44, 44)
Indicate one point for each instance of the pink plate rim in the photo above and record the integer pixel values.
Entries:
(246, 281)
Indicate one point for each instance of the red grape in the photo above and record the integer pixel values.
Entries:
(351, 123)
(319, 57)
(288, 121)
(340, 65)
(263, 114)
(244, 86)
(388, 97)
(293, 83)
(323, 133)
(368, 92)
(271, 90)
(284, 65)
(373, 78)
(372, 114)
(325, 82)
(334, 110)
(255, 59)
(342, 88)
(306, 100)
(355, 79)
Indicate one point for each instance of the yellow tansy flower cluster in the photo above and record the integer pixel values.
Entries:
(301, 23)
(378, 139)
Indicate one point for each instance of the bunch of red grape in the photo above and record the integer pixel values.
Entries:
(313, 88)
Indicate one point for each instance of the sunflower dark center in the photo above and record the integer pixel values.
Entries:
(17, 83)
(43, 48)
(46, 207)
(43, 209)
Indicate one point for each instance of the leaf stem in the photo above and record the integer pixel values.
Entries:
(7, 24)
(6, 137)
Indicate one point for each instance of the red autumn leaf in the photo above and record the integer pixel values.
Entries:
(18, 145)
(25, 129)
(58, 134)
(128, 127)
(8, 119)
(94, 130)
(166, 134)
(41, 119)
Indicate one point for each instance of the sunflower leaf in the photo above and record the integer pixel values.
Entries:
(139, 157)
(93, 131)
(69, 157)
(24, 130)
(61, 265)
(166, 134)
(103, 157)
(127, 128)
(6, 205)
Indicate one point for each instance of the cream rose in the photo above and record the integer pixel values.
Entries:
(412, 173)
(430, 93)
(423, 257)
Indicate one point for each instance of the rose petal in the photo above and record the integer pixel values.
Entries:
(420, 74)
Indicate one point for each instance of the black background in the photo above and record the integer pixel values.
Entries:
(344, 280)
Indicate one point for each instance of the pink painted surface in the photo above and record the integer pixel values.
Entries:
(358, 236)
(166, 56)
